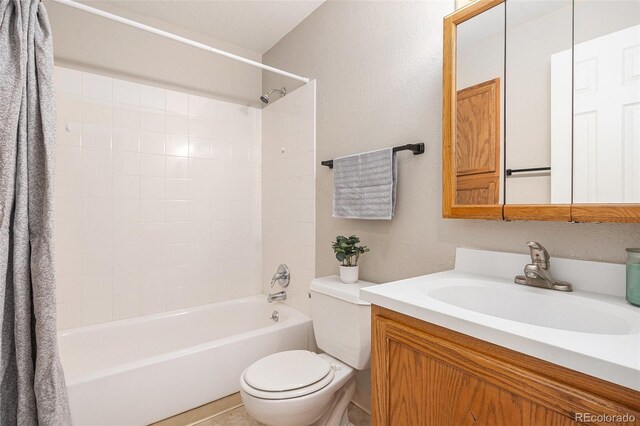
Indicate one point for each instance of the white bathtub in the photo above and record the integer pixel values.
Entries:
(141, 370)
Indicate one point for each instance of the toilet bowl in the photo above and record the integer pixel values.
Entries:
(299, 388)
(295, 388)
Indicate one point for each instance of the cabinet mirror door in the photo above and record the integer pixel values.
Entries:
(541, 111)
(606, 102)
(538, 102)
(479, 109)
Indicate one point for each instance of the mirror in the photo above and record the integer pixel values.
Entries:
(479, 109)
(606, 106)
(541, 111)
(538, 102)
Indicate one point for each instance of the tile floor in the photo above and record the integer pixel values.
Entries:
(240, 417)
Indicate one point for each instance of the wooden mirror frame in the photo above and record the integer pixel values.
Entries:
(629, 213)
(449, 94)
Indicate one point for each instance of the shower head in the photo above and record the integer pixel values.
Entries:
(265, 97)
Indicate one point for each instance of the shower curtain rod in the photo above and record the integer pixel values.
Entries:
(177, 38)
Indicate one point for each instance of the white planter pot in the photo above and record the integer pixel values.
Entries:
(349, 274)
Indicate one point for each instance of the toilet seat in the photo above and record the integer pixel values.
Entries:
(288, 374)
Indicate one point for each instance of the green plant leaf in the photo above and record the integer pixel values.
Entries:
(347, 250)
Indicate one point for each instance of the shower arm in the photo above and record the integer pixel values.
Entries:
(282, 91)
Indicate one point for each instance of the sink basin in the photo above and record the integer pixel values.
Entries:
(593, 330)
(529, 306)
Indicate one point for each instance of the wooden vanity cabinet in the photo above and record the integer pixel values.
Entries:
(423, 374)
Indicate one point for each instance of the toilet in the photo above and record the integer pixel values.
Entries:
(299, 387)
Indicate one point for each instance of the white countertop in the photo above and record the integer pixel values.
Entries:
(612, 357)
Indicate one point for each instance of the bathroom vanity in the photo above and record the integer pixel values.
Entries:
(423, 374)
(470, 346)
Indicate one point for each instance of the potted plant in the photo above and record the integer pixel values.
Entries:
(348, 252)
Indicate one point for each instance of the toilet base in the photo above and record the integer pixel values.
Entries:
(338, 411)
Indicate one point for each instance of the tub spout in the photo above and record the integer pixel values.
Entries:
(281, 295)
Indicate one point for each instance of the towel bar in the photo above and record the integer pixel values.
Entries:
(510, 172)
(416, 148)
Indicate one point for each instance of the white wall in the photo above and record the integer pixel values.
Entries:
(157, 199)
(288, 189)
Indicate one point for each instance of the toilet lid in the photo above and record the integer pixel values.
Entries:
(296, 393)
(286, 371)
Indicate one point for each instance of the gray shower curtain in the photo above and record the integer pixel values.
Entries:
(32, 386)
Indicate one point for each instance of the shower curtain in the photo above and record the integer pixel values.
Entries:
(32, 386)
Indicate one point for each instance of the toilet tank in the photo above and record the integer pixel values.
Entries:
(341, 320)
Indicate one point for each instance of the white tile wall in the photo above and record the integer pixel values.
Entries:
(288, 192)
(157, 199)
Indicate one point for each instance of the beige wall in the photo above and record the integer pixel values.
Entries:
(378, 70)
(91, 43)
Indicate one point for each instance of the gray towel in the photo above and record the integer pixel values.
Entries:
(364, 185)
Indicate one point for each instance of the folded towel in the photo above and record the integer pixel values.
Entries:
(364, 185)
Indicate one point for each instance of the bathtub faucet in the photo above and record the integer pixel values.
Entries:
(282, 276)
(281, 295)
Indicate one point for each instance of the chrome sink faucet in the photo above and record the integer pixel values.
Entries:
(537, 274)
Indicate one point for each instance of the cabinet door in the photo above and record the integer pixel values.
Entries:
(425, 390)
(537, 107)
(606, 102)
(426, 375)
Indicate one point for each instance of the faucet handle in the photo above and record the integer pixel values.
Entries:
(282, 276)
(539, 254)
